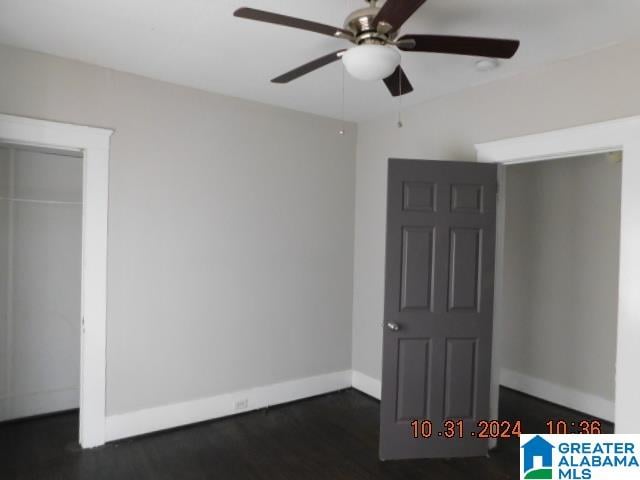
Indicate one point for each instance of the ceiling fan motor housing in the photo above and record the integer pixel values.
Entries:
(361, 23)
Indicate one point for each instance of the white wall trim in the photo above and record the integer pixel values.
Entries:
(366, 384)
(5, 410)
(94, 144)
(552, 392)
(576, 141)
(193, 411)
(624, 135)
(180, 414)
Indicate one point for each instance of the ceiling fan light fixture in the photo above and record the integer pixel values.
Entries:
(487, 64)
(371, 62)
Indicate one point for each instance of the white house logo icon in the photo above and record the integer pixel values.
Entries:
(539, 448)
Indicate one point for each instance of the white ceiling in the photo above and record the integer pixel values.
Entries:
(199, 43)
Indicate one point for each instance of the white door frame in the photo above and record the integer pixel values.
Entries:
(616, 135)
(94, 145)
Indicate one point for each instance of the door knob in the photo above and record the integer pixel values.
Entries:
(393, 326)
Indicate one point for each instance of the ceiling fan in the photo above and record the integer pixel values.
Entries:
(374, 31)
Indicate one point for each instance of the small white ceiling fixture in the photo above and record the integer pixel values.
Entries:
(487, 64)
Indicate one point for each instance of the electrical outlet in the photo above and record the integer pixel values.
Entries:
(242, 404)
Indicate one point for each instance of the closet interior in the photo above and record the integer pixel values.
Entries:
(40, 279)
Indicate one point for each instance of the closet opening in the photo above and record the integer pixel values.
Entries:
(41, 209)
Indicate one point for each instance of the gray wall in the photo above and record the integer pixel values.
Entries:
(40, 344)
(230, 231)
(563, 94)
(562, 235)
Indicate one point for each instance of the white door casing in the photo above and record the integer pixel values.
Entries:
(94, 144)
(616, 135)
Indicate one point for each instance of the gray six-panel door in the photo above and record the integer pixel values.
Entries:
(438, 306)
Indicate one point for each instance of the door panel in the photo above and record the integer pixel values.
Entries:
(460, 378)
(466, 198)
(417, 267)
(419, 196)
(464, 268)
(413, 378)
(438, 305)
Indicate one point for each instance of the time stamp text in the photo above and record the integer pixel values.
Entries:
(493, 429)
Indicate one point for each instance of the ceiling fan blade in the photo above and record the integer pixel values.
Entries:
(475, 46)
(293, 22)
(308, 67)
(398, 83)
(396, 12)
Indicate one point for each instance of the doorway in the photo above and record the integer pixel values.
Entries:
(619, 135)
(93, 145)
(40, 277)
(561, 238)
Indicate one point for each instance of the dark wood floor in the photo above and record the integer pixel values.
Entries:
(332, 437)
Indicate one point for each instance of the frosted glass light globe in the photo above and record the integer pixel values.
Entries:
(371, 62)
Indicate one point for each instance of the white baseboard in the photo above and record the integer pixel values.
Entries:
(366, 384)
(193, 411)
(568, 397)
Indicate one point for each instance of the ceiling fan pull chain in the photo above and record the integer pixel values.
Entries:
(400, 124)
(342, 129)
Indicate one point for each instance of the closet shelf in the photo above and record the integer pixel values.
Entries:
(44, 202)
